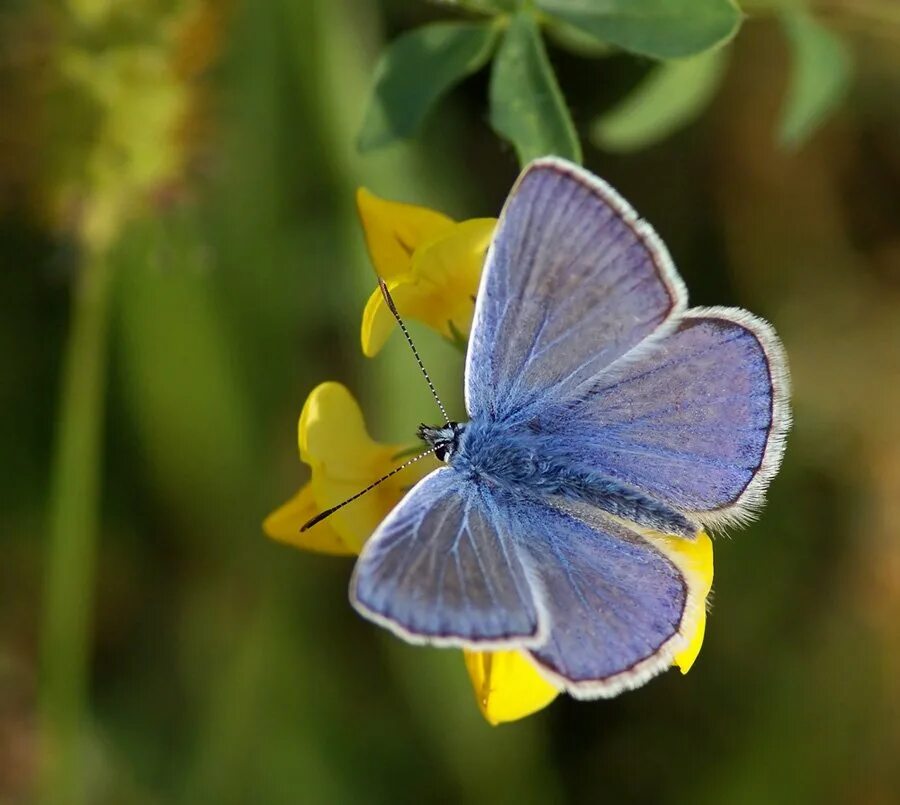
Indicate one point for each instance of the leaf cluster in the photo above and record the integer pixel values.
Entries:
(688, 38)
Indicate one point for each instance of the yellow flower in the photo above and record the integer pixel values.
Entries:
(430, 263)
(343, 459)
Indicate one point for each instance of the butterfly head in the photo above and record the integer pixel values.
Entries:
(443, 439)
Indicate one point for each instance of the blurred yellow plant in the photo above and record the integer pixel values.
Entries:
(344, 459)
(123, 81)
(431, 264)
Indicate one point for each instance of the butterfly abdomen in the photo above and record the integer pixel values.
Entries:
(530, 465)
(623, 501)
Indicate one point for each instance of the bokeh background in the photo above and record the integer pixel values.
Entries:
(208, 230)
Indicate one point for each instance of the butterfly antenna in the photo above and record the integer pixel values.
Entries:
(328, 512)
(412, 346)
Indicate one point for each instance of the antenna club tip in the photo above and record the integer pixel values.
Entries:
(317, 519)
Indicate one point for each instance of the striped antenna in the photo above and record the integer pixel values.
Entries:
(393, 308)
(328, 512)
(412, 346)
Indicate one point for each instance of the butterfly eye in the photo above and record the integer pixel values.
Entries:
(443, 451)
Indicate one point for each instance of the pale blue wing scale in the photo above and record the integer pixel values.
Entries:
(695, 418)
(572, 281)
(443, 569)
(615, 605)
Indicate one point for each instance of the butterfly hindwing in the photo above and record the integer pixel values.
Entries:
(572, 281)
(443, 569)
(695, 418)
(617, 607)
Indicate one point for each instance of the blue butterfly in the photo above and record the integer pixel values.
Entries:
(600, 408)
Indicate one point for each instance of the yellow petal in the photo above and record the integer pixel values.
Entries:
(684, 659)
(439, 289)
(394, 231)
(331, 429)
(344, 460)
(507, 686)
(285, 522)
(695, 560)
(378, 322)
(447, 272)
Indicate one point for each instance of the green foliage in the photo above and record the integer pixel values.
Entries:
(576, 41)
(170, 325)
(527, 107)
(526, 104)
(415, 71)
(661, 29)
(821, 73)
(672, 95)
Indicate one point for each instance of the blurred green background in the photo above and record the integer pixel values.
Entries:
(225, 668)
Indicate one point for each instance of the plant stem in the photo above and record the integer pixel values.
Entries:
(73, 524)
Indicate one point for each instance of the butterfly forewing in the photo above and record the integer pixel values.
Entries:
(573, 280)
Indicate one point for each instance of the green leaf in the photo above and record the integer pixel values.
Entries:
(415, 71)
(669, 98)
(527, 107)
(485, 6)
(576, 41)
(820, 76)
(661, 29)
